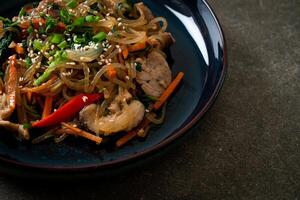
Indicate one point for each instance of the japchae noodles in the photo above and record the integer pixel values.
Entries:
(92, 68)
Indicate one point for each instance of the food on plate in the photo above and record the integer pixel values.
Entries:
(91, 69)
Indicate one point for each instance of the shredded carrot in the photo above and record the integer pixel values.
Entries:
(132, 134)
(163, 98)
(125, 52)
(82, 133)
(168, 92)
(35, 21)
(111, 72)
(47, 106)
(19, 49)
(137, 46)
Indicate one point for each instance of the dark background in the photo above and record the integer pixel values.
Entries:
(246, 147)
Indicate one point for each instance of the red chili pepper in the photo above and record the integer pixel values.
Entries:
(68, 111)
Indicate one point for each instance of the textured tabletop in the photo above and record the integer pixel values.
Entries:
(246, 147)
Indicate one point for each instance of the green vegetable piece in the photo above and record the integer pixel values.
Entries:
(28, 62)
(56, 38)
(37, 45)
(65, 16)
(27, 126)
(30, 29)
(99, 37)
(50, 23)
(22, 12)
(72, 4)
(4, 43)
(79, 40)
(90, 18)
(79, 21)
(63, 44)
(138, 67)
(60, 56)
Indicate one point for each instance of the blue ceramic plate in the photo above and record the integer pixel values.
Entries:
(199, 52)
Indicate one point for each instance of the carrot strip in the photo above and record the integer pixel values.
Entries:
(163, 98)
(132, 134)
(19, 49)
(111, 72)
(168, 92)
(137, 46)
(125, 52)
(47, 106)
(79, 132)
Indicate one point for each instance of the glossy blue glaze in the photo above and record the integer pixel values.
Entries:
(199, 52)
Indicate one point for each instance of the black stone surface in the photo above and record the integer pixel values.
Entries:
(246, 147)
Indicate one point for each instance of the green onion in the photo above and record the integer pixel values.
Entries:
(72, 4)
(89, 18)
(56, 38)
(28, 62)
(22, 12)
(65, 16)
(63, 44)
(37, 45)
(59, 56)
(79, 40)
(30, 29)
(79, 21)
(99, 37)
(50, 23)
(92, 18)
(45, 76)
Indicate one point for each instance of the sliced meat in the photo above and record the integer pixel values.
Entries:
(155, 75)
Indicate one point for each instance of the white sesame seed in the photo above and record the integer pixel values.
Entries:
(84, 98)
(119, 19)
(40, 23)
(120, 50)
(52, 46)
(120, 24)
(100, 63)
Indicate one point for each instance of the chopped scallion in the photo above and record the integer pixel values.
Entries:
(56, 38)
(72, 4)
(37, 45)
(99, 37)
(79, 21)
(63, 44)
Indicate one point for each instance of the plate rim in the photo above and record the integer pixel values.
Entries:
(164, 143)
